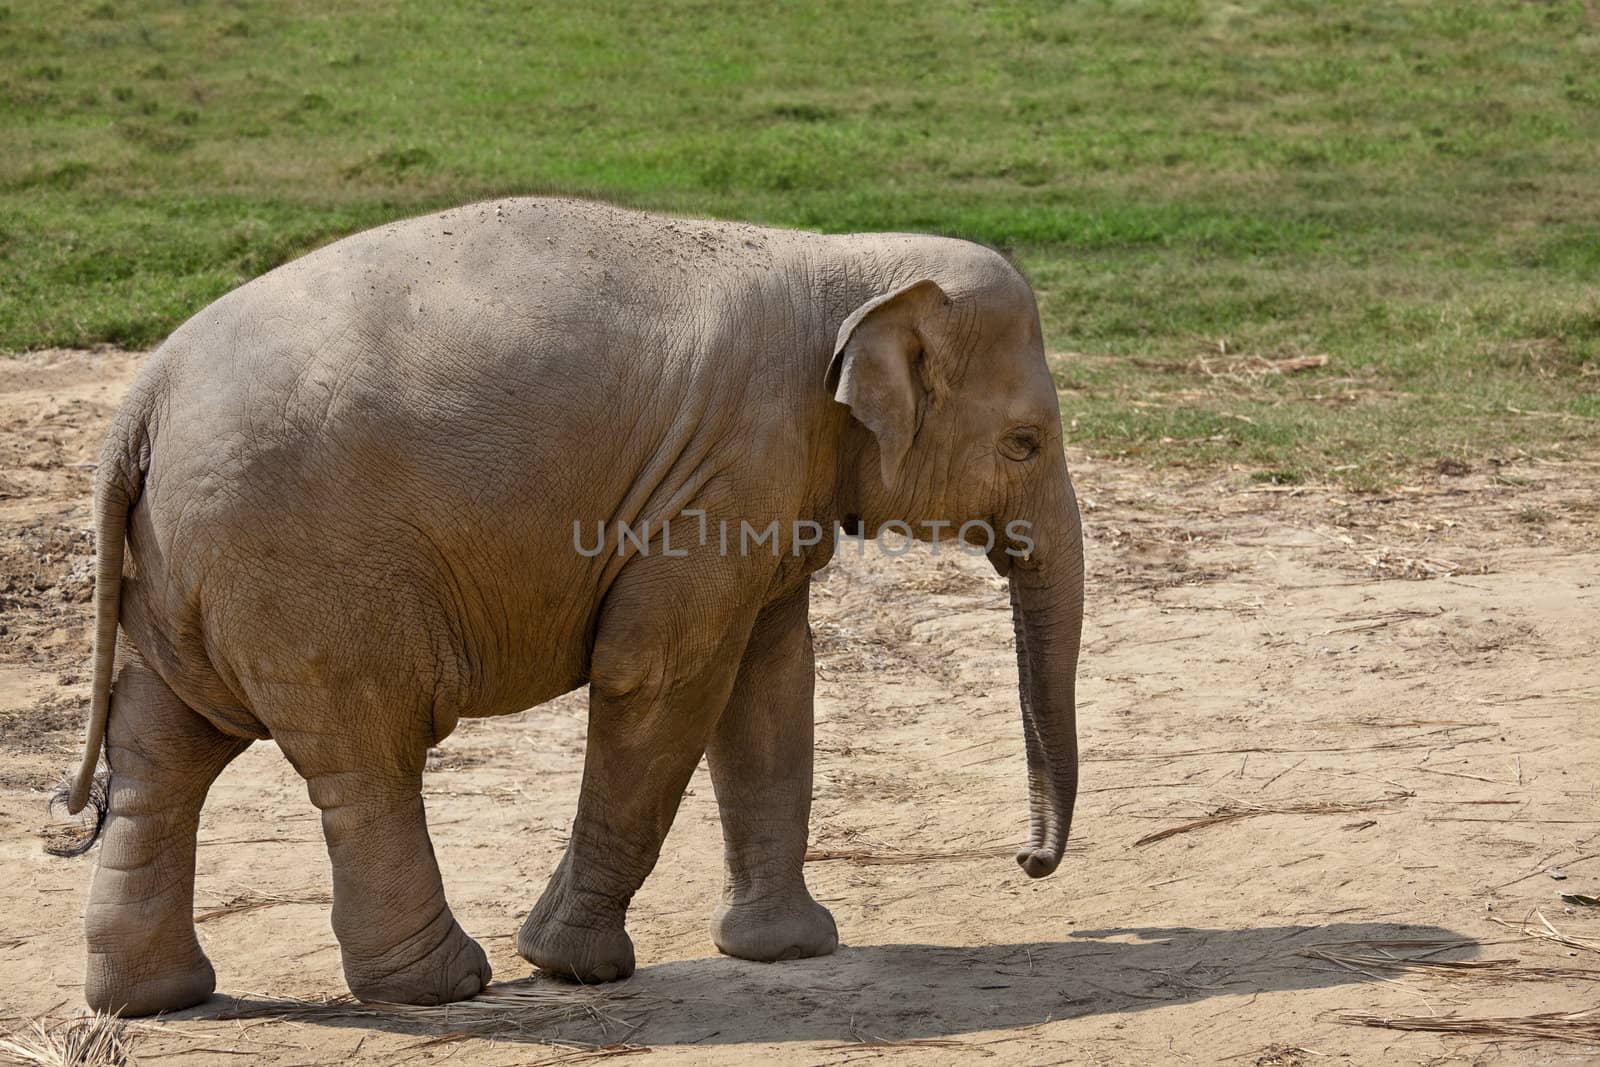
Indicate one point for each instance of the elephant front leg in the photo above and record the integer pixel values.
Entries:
(666, 652)
(760, 755)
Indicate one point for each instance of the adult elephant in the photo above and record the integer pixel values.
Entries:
(361, 495)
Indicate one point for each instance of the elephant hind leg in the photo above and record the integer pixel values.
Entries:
(399, 940)
(143, 955)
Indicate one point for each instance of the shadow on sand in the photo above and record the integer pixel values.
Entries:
(900, 992)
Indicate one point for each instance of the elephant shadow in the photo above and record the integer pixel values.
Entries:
(911, 991)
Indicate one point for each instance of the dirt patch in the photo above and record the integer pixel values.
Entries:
(1333, 744)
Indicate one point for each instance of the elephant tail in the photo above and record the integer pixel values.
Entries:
(67, 844)
(119, 479)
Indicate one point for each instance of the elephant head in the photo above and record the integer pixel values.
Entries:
(955, 429)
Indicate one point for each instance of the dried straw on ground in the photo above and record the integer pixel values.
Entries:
(96, 1040)
(1504, 969)
(1582, 1027)
(1545, 932)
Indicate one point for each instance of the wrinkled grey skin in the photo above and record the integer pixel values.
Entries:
(348, 492)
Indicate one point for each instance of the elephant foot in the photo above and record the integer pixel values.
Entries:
(768, 930)
(148, 978)
(567, 946)
(453, 969)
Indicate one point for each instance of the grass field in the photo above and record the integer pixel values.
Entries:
(1198, 189)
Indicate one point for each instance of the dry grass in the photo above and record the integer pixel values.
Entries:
(96, 1040)
(1233, 365)
(1374, 957)
(1582, 1027)
(1545, 932)
(1503, 969)
(1387, 564)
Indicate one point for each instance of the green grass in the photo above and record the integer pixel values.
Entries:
(1412, 189)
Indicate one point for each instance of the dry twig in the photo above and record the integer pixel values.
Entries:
(1233, 814)
(1428, 740)
(251, 900)
(1386, 619)
(880, 1042)
(867, 857)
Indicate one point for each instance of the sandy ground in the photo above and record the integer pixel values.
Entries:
(1395, 695)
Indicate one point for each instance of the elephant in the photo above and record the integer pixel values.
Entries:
(355, 499)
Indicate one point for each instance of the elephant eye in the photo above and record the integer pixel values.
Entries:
(1020, 444)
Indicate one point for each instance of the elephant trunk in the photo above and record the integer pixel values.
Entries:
(1047, 612)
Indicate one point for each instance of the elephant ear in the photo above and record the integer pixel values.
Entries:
(882, 370)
